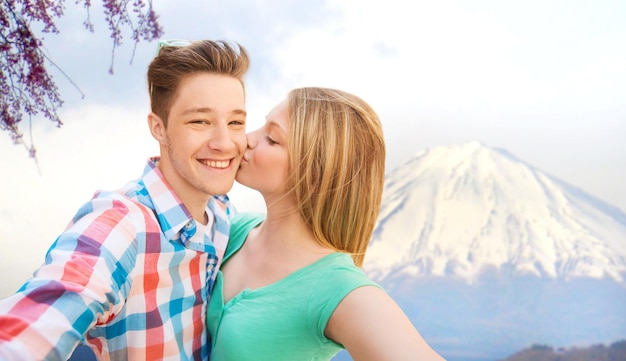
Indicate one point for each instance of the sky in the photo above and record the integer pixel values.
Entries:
(545, 80)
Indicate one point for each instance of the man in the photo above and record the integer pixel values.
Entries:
(132, 273)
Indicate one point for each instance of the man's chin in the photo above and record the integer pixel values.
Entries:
(221, 189)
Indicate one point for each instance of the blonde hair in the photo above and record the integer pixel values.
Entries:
(337, 166)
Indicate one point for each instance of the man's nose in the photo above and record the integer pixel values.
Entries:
(221, 138)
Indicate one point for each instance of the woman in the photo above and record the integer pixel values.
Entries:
(290, 287)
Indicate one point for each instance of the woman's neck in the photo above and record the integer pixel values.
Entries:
(284, 231)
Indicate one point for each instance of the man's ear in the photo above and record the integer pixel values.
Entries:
(157, 127)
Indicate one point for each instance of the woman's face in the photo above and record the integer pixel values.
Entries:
(264, 166)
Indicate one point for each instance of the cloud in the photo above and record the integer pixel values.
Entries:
(544, 80)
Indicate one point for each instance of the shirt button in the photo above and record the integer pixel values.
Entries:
(189, 225)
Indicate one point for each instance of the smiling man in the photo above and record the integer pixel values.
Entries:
(132, 273)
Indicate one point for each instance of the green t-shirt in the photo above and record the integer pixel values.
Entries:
(284, 320)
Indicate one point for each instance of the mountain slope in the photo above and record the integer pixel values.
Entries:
(459, 210)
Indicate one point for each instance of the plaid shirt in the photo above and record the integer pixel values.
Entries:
(130, 276)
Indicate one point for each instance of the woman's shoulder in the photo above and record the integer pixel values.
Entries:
(338, 278)
(339, 275)
(240, 225)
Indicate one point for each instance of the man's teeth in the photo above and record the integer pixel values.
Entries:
(215, 163)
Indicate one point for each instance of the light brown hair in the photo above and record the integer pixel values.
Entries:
(336, 166)
(174, 63)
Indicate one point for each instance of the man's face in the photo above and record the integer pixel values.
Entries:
(204, 140)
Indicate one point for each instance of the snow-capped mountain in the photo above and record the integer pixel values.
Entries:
(488, 255)
(458, 210)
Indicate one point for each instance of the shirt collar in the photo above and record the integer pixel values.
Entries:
(175, 220)
(172, 214)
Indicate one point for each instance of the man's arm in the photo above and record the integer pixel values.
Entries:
(80, 284)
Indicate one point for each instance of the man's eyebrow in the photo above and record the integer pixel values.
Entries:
(198, 110)
(209, 110)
